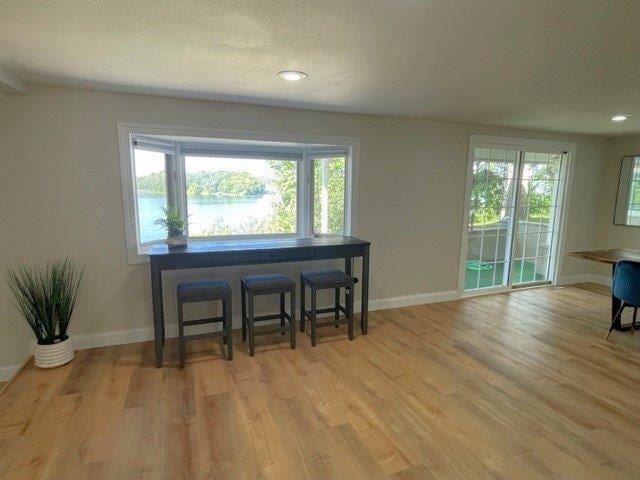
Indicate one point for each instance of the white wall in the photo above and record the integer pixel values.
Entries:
(610, 235)
(61, 194)
(14, 340)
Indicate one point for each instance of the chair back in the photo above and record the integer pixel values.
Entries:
(626, 282)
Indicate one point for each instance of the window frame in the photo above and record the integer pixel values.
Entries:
(169, 153)
(329, 153)
(179, 142)
(181, 183)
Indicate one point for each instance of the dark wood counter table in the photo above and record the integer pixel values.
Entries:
(252, 252)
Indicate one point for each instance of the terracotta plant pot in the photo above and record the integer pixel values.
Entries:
(54, 355)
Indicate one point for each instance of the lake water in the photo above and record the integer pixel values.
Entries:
(203, 212)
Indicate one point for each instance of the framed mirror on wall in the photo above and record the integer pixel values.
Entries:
(627, 210)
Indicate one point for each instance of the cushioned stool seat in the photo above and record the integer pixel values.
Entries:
(267, 282)
(328, 278)
(200, 288)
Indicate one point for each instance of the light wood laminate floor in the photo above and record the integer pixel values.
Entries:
(512, 386)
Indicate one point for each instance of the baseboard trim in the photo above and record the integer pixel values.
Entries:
(585, 278)
(9, 372)
(116, 337)
(144, 334)
(409, 300)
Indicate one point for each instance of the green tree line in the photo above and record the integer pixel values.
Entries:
(489, 189)
(208, 183)
(283, 219)
(284, 216)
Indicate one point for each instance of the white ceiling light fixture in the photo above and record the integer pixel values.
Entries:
(292, 75)
(619, 118)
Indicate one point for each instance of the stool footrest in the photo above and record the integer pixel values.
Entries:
(201, 336)
(307, 313)
(330, 323)
(271, 330)
(202, 321)
(275, 316)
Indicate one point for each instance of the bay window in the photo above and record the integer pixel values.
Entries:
(233, 189)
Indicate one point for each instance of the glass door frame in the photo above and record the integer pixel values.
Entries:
(564, 184)
(554, 223)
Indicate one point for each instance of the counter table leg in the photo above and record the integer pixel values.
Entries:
(158, 315)
(364, 309)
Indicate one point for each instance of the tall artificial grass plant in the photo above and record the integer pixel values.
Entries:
(46, 297)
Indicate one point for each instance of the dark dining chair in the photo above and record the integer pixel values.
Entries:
(626, 287)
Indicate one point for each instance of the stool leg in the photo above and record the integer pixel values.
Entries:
(337, 307)
(224, 322)
(302, 305)
(349, 301)
(252, 346)
(229, 327)
(633, 322)
(243, 296)
(180, 335)
(313, 316)
(293, 317)
(282, 319)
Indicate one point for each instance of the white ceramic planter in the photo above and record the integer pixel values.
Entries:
(55, 355)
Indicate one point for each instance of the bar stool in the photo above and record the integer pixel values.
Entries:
(205, 291)
(253, 285)
(323, 280)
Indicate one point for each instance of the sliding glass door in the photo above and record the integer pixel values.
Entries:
(512, 217)
(490, 217)
(536, 214)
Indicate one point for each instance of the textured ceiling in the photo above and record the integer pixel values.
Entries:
(564, 65)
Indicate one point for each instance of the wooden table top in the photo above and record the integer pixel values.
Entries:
(611, 256)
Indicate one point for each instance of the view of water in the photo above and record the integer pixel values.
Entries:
(202, 211)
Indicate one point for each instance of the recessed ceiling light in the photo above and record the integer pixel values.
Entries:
(618, 118)
(292, 75)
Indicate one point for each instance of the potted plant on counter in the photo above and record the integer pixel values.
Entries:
(175, 225)
(46, 298)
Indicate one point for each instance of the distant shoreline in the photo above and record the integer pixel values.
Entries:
(215, 195)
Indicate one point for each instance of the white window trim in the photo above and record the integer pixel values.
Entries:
(299, 144)
(566, 180)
